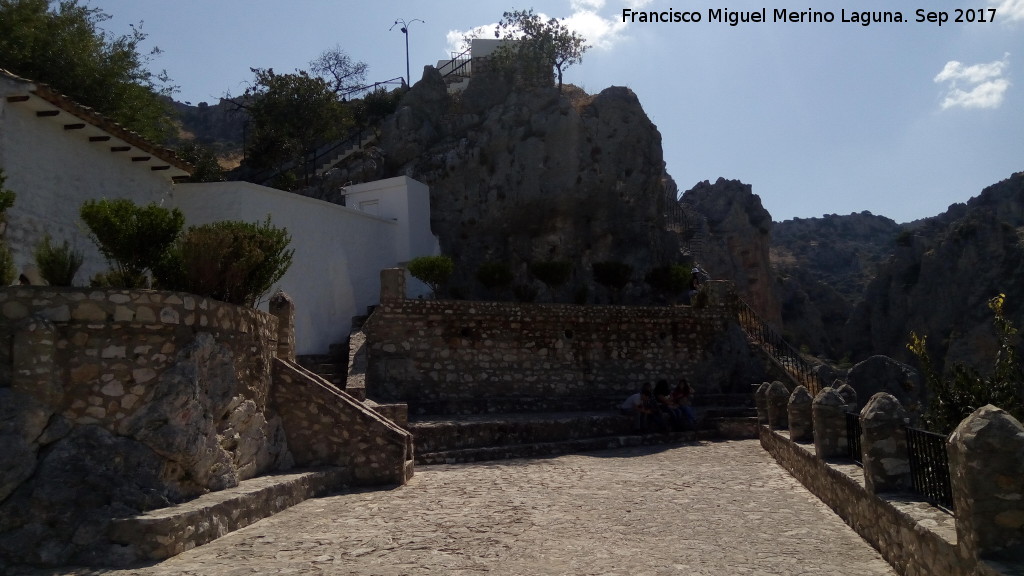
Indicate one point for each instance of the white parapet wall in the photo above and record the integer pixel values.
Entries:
(339, 250)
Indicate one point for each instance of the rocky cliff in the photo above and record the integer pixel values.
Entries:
(736, 239)
(526, 175)
(940, 277)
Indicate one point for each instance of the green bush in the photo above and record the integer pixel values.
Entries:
(231, 261)
(57, 264)
(7, 269)
(964, 389)
(433, 271)
(494, 275)
(133, 239)
(553, 273)
(669, 280)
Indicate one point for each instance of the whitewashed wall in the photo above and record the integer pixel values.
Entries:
(53, 172)
(339, 251)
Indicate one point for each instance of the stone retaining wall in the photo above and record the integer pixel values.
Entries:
(114, 402)
(433, 349)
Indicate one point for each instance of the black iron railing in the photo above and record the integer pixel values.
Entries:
(789, 358)
(853, 438)
(929, 466)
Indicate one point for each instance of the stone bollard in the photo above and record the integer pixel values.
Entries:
(392, 284)
(761, 400)
(849, 397)
(829, 425)
(801, 420)
(282, 306)
(884, 445)
(986, 464)
(778, 411)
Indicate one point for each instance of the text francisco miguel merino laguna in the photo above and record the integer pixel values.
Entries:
(864, 18)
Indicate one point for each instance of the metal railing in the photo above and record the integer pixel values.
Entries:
(459, 66)
(789, 358)
(853, 431)
(929, 466)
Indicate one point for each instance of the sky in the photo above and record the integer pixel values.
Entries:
(901, 119)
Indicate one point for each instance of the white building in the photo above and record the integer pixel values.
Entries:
(57, 154)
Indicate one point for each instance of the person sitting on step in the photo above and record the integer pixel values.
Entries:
(643, 409)
(682, 397)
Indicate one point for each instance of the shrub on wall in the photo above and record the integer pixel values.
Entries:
(494, 276)
(57, 264)
(433, 271)
(670, 280)
(553, 273)
(613, 275)
(133, 239)
(231, 261)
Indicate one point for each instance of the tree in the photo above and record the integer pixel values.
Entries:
(133, 239)
(341, 72)
(955, 396)
(292, 115)
(433, 271)
(532, 39)
(66, 49)
(204, 162)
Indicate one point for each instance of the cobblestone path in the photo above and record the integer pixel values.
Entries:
(709, 508)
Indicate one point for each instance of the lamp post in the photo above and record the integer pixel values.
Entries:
(405, 30)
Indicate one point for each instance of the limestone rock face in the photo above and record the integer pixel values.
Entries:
(531, 175)
(940, 277)
(738, 241)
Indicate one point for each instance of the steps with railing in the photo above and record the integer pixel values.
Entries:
(788, 358)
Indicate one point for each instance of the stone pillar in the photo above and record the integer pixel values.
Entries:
(801, 424)
(849, 396)
(884, 445)
(778, 406)
(392, 284)
(761, 401)
(986, 464)
(829, 425)
(282, 306)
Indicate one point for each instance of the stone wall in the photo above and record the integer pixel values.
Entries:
(429, 350)
(328, 427)
(986, 469)
(114, 401)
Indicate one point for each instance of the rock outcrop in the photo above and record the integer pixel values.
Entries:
(737, 241)
(527, 175)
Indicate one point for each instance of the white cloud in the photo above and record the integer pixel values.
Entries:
(975, 86)
(599, 31)
(1009, 10)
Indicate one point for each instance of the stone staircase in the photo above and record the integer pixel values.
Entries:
(332, 366)
(468, 430)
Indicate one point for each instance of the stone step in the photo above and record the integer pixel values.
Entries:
(162, 533)
(541, 449)
(442, 434)
(520, 404)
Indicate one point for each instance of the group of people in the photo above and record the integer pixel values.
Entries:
(659, 408)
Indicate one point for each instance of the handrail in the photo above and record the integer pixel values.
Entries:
(369, 87)
(789, 358)
(462, 60)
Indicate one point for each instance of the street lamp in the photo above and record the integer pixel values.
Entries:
(405, 30)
